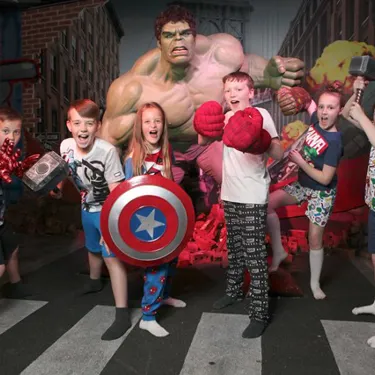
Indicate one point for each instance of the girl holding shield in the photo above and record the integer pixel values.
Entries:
(150, 153)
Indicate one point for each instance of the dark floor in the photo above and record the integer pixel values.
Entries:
(295, 342)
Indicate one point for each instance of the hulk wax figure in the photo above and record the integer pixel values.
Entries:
(183, 72)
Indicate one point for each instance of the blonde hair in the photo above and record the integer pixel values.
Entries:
(139, 148)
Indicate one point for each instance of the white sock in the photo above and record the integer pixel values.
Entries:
(370, 309)
(153, 327)
(174, 302)
(371, 342)
(316, 264)
(278, 252)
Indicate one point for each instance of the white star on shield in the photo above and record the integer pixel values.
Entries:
(148, 223)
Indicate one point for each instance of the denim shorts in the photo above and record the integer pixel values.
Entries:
(93, 235)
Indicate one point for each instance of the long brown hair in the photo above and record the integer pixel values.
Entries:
(139, 148)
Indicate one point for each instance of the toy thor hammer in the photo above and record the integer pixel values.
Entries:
(363, 66)
(40, 176)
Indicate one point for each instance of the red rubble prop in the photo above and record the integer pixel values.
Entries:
(208, 246)
(208, 243)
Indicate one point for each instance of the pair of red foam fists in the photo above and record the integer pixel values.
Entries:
(245, 132)
(209, 120)
(9, 164)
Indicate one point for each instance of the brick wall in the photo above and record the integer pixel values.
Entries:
(40, 28)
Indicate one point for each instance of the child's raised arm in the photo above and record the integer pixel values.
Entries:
(357, 114)
(312, 108)
(359, 84)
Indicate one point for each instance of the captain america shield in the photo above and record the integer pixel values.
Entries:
(147, 220)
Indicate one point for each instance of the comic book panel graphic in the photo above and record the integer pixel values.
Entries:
(292, 137)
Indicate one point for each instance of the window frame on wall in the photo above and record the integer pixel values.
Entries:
(314, 7)
(91, 72)
(323, 31)
(54, 70)
(83, 24)
(77, 92)
(74, 48)
(338, 26)
(55, 120)
(66, 85)
(64, 38)
(90, 33)
(364, 19)
(364, 12)
(40, 114)
(350, 23)
(83, 60)
(42, 64)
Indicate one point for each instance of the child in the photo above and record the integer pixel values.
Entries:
(249, 138)
(316, 183)
(10, 128)
(96, 170)
(150, 153)
(355, 114)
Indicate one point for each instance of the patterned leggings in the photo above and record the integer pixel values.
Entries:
(246, 224)
(157, 285)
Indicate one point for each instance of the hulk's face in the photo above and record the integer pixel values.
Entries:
(177, 43)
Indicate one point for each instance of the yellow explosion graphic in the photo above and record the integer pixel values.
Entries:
(334, 64)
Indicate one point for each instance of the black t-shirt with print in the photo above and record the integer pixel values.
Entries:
(320, 147)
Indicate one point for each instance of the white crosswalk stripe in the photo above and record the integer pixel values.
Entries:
(218, 348)
(348, 343)
(12, 311)
(80, 350)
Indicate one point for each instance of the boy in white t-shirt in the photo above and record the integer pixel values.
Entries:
(249, 137)
(96, 170)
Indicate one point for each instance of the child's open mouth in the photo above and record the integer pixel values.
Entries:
(153, 133)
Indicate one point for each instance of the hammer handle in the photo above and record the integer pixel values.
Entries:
(359, 96)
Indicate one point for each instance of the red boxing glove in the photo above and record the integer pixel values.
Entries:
(8, 160)
(209, 120)
(24, 165)
(293, 100)
(261, 145)
(243, 129)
